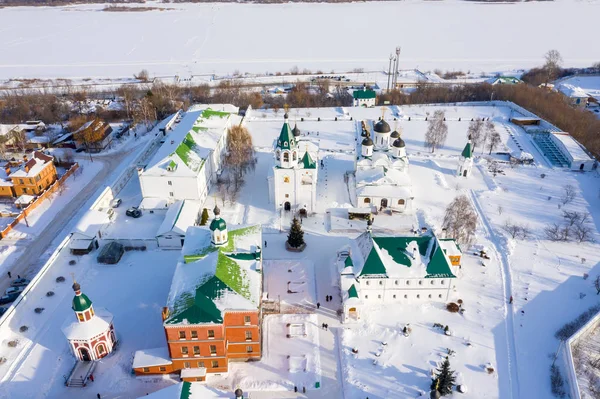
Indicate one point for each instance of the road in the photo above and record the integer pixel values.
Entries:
(36, 252)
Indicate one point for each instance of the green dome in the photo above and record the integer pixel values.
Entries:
(218, 224)
(81, 303)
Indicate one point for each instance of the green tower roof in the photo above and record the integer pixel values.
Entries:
(81, 303)
(218, 224)
(352, 293)
(468, 151)
(286, 140)
(308, 162)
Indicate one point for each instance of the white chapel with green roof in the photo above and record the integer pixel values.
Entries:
(465, 160)
(293, 182)
(393, 269)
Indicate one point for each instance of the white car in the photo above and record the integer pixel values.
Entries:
(13, 290)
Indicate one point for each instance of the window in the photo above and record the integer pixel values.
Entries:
(396, 282)
(38, 177)
(246, 319)
(429, 296)
(196, 350)
(378, 296)
(211, 333)
(215, 363)
(394, 296)
(21, 180)
(249, 349)
(186, 365)
(418, 296)
(443, 282)
(101, 349)
(286, 179)
(25, 190)
(440, 296)
(294, 156)
(184, 350)
(40, 187)
(407, 282)
(200, 364)
(366, 282)
(286, 155)
(146, 369)
(213, 349)
(405, 296)
(194, 334)
(181, 334)
(161, 368)
(248, 335)
(420, 282)
(171, 194)
(380, 282)
(170, 183)
(199, 378)
(367, 200)
(287, 196)
(432, 282)
(400, 202)
(80, 317)
(366, 297)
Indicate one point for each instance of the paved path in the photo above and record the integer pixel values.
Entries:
(36, 252)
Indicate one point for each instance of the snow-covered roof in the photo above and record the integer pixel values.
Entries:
(380, 176)
(190, 143)
(572, 146)
(398, 257)
(388, 191)
(151, 357)
(153, 203)
(188, 390)
(193, 372)
(98, 324)
(91, 223)
(571, 91)
(33, 166)
(450, 247)
(180, 216)
(24, 199)
(211, 280)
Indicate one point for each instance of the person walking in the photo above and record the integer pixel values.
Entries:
(9, 275)
(318, 305)
(511, 299)
(265, 243)
(92, 377)
(98, 396)
(18, 276)
(326, 326)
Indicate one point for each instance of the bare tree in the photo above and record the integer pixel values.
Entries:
(494, 140)
(553, 232)
(460, 220)
(475, 132)
(512, 229)
(553, 61)
(525, 232)
(437, 131)
(569, 194)
(572, 218)
(597, 285)
(143, 75)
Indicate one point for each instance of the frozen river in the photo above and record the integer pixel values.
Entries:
(185, 39)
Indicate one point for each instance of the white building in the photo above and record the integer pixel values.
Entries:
(294, 179)
(574, 153)
(364, 98)
(381, 172)
(393, 270)
(465, 161)
(188, 162)
(180, 216)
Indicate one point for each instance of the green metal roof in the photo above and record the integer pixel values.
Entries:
(81, 303)
(438, 265)
(364, 94)
(286, 139)
(308, 162)
(467, 152)
(218, 224)
(352, 292)
(186, 390)
(348, 261)
(172, 165)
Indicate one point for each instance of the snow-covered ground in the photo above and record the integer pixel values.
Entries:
(188, 39)
(517, 340)
(590, 85)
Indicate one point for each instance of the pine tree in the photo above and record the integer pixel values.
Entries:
(296, 236)
(204, 218)
(444, 379)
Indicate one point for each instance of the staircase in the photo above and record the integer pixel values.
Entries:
(550, 150)
(78, 378)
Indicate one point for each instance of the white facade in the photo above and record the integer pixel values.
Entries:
(578, 159)
(364, 102)
(180, 216)
(465, 161)
(294, 179)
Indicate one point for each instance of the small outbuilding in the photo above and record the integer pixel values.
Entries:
(180, 216)
(84, 239)
(111, 253)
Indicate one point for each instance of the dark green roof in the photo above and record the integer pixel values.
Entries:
(186, 390)
(363, 94)
(438, 265)
(308, 162)
(467, 152)
(286, 139)
(81, 303)
(348, 261)
(218, 224)
(352, 292)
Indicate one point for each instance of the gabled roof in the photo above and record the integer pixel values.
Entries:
(211, 280)
(352, 292)
(180, 216)
(467, 152)
(363, 94)
(308, 162)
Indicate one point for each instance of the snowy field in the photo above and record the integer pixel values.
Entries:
(188, 39)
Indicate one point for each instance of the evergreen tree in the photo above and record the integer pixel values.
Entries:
(204, 218)
(444, 380)
(296, 236)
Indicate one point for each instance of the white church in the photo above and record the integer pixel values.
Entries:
(465, 161)
(381, 170)
(293, 183)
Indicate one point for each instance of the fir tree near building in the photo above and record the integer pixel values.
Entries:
(295, 241)
(443, 382)
(204, 217)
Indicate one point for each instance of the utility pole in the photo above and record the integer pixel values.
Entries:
(397, 65)
(389, 72)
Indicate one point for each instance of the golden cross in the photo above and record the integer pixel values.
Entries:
(382, 113)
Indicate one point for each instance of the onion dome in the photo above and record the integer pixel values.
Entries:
(216, 210)
(395, 135)
(398, 143)
(218, 224)
(81, 302)
(367, 141)
(296, 131)
(382, 127)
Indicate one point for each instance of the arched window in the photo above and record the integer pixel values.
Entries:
(294, 156)
(286, 157)
(400, 202)
(286, 179)
(367, 200)
(224, 237)
(278, 155)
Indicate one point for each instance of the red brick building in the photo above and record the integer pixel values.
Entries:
(213, 312)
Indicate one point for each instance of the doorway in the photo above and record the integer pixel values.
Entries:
(384, 203)
(84, 354)
(581, 166)
(287, 206)
(465, 173)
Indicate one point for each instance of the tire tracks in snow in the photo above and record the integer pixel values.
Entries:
(502, 256)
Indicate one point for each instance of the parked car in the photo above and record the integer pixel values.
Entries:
(115, 202)
(3, 310)
(20, 282)
(9, 298)
(13, 290)
(134, 212)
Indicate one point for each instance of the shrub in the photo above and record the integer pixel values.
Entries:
(23, 328)
(72, 262)
(570, 328)
(557, 382)
(60, 279)
(452, 307)
(13, 343)
(38, 310)
(50, 293)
